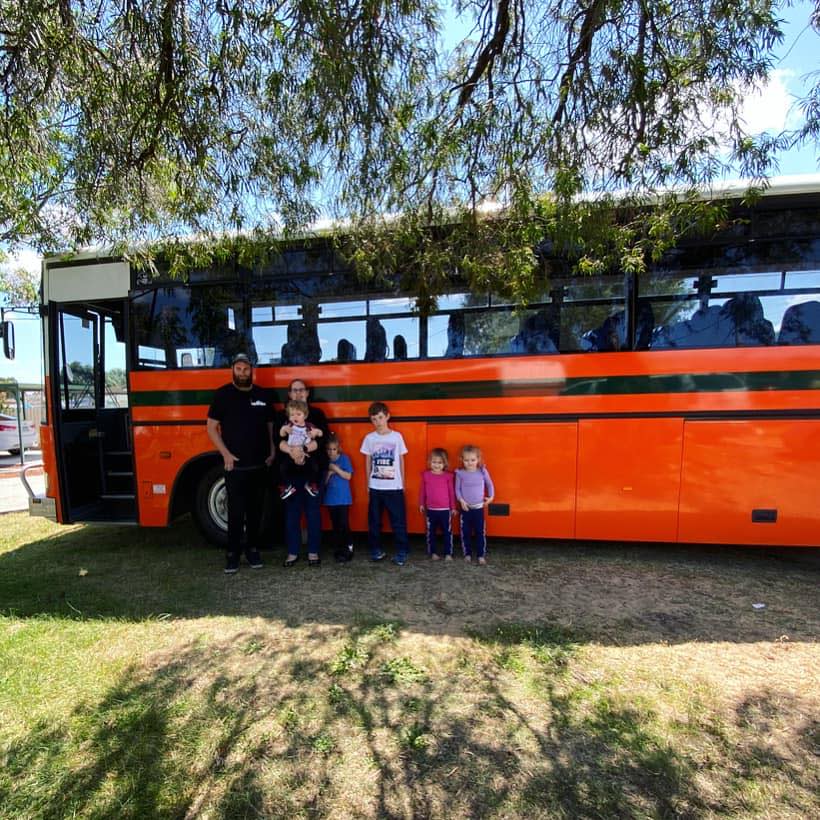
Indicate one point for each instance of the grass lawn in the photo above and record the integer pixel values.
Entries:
(562, 680)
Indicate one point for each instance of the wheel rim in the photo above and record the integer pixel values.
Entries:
(218, 504)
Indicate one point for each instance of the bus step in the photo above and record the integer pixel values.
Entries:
(118, 453)
(120, 473)
(118, 496)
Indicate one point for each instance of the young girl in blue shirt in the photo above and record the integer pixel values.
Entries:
(338, 498)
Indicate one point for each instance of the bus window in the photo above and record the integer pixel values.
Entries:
(342, 341)
(406, 329)
(803, 279)
(393, 304)
(345, 351)
(456, 301)
(376, 341)
(473, 333)
(538, 333)
(800, 324)
(268, 341)
(302, 345)
(720, 309)
(592, 327)
(113, 363)
(170, 320)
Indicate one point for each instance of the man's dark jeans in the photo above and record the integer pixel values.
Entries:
(246, 496)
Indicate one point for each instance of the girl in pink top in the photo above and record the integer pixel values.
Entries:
(437, 502)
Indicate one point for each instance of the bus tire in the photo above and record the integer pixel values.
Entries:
(211, 506)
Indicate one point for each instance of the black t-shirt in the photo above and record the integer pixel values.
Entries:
(243, 416)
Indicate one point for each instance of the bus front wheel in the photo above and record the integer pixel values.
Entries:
(211, 506)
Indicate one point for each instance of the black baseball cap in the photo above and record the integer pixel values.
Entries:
(241, 357)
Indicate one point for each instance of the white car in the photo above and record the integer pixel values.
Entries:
(9, 440)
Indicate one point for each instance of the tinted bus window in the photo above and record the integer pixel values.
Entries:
(731, 310)
(188, 326)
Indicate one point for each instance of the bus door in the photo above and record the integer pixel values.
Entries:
(92, 425)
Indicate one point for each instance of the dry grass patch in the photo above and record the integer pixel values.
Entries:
(577, 681)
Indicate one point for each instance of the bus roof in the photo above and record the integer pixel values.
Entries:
(729, 189)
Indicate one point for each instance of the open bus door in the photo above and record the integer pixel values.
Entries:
(91, 421)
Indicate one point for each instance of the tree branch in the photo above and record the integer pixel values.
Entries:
(488, 55)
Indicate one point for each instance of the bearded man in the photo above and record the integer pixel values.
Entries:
(240, 425)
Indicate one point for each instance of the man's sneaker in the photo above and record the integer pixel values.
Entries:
(286, 491)
(254, 559)
(399, 560)
(232, 563)
(312, 489)
(379, 556)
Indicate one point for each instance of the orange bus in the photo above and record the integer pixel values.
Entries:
(682, 405)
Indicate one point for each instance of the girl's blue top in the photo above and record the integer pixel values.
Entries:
(337, 490)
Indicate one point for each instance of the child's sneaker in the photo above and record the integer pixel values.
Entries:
(379, 556)
(468, 558)
(254, 559)
(482, 560)
(435, 557)
(398, 560)
(448, 557)
(312, 489)
(286, 491)
(232, 563)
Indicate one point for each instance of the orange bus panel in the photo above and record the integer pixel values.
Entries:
(532, 467)
(731, 468)
(628, 479)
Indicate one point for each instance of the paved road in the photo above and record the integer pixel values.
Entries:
(13, 495)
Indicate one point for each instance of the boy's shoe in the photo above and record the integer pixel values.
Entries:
(398, 560)
(286, 491)
(448, 557)
(350, 552)
(468, 558)
(232, 563)
(379, 556)
(482, 560)
(435, 557)
(312, 489)
(254, 559)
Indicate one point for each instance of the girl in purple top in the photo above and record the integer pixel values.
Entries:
(437, 502)
(474, 490)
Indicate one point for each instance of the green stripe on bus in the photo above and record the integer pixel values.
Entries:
(587, 386)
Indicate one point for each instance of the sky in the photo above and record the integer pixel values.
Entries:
(771, 109)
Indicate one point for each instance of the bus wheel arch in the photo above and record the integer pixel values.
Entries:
(199, 490)
(210, 505)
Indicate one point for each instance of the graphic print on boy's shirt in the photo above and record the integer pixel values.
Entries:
(383, 462)
(385, 452)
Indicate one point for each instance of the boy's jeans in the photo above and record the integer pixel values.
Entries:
(393, 502)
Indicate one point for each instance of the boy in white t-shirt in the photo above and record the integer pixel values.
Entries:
(384, 451)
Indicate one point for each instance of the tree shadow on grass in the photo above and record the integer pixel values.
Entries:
(627, 594)
(348, 724)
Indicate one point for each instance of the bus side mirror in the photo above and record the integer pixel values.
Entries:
(7, 332)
